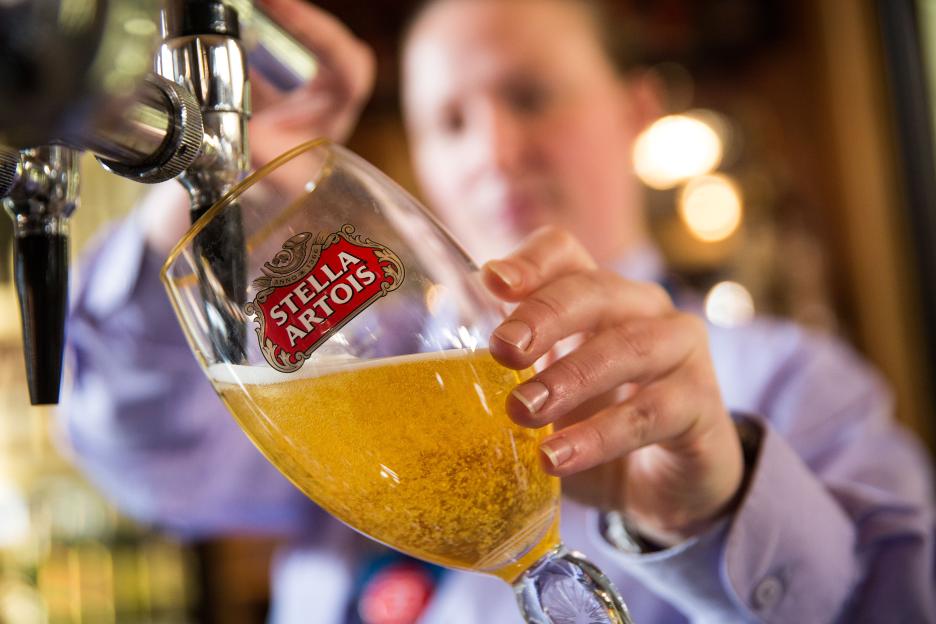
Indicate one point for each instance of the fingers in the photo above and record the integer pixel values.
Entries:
(639, 351)
(635, 339)
(549, 253)
(579, 302)
(262, 92)
(657, 414)
(330, 103)
(339, 52)
(299, 111)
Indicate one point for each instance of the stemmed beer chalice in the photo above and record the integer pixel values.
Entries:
(346, 331)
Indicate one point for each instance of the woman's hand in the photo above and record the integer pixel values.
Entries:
(641, 427)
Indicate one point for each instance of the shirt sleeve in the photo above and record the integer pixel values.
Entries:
(142, 420)
(836, 524)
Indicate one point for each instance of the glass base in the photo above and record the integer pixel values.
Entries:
(565, 588)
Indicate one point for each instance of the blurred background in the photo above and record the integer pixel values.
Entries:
(792, 175)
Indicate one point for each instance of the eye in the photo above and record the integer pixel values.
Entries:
(452, 121)
(528, 98)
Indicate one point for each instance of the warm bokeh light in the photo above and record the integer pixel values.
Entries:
(675, 148)
(435, 296)
(729, 304)
(14, 515)
(711, 207)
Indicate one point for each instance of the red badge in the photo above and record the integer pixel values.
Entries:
(396, 595)
(313, 287)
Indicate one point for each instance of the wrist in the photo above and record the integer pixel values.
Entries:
(617, 531)
(628, 536)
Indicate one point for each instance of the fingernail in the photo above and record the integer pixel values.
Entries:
(516, 333)
(532, 395)
(557, 451)
(505, 272)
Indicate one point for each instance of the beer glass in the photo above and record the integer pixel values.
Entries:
(347, 333)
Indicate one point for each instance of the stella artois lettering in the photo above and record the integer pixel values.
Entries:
(315, 285)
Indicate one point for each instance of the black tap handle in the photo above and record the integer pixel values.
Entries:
(40, 265)
(183, 18)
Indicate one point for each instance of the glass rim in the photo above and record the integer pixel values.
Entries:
(239, 189)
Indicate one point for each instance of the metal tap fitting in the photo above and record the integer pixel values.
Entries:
(201, 52)
(9, 161)
(167, 119)
(40, 200)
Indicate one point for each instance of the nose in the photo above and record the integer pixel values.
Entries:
(501, 138)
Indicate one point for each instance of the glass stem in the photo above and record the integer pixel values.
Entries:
(563, 587)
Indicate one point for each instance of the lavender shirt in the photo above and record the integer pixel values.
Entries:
(837, 523)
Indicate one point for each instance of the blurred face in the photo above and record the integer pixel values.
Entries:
(517, 120)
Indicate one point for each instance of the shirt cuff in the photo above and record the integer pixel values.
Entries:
(790, 552)
(786, 555)
(686, 575)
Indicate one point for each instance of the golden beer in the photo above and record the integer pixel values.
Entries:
(415, 451)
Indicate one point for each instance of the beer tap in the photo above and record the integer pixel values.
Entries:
(70, 80)
(202, 52)
(41, 195)
(77, 76)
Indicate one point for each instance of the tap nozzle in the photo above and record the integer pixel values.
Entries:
(40, 199)
(202, 52)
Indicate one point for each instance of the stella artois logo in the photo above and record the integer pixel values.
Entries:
(315, 285)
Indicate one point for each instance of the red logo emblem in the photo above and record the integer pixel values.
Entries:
(315, 285)
(396, 596)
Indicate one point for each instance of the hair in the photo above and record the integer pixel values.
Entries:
(603, 15)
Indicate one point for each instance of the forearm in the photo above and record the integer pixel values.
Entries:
(131, 368)
(142, 419)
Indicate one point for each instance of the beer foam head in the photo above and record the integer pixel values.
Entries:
(263, 374)
(321, 364)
